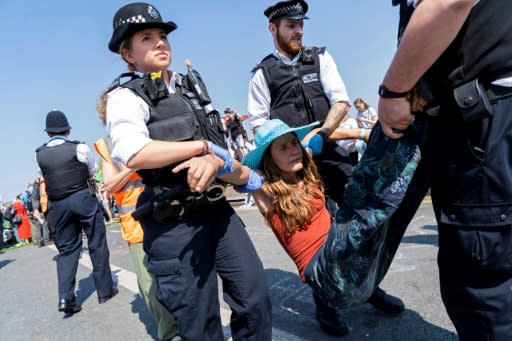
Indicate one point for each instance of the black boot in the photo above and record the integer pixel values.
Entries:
(386, 303)
(329, 319)
(69, 306)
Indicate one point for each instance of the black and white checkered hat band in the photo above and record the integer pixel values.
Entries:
(280, 12)
(134, 20)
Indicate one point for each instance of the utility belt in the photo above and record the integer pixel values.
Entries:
(475, 99)
(168, 205)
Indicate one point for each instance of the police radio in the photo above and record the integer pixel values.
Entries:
(196, 83)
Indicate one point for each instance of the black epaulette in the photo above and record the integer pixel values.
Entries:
(259, 66)
(117, 82)
(40, 147)
(70, 141)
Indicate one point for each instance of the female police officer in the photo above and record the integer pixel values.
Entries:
(156, 121)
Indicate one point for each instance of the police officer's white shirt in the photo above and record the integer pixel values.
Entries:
(83, 153)
(259, 93)
(127, 115)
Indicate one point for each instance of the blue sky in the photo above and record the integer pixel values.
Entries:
(55, 56)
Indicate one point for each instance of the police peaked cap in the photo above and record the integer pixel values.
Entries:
(56, 122)
(133, 18)
(294, 9)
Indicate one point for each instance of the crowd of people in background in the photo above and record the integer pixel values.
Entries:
(23, 221)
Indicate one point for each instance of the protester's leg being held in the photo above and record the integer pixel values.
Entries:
(243, 278)
(93, 224)
(329, 319)
(166, 325)
(476, 276)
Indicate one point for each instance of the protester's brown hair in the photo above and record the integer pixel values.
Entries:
(291, 203)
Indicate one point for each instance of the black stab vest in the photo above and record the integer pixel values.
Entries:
(297, 96)
(177, 117)
(62, 172)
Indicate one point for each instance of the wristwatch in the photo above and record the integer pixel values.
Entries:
(386, 93)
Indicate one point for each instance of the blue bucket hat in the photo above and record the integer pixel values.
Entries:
(268, 132)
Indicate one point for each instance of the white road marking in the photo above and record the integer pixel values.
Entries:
(128, 280)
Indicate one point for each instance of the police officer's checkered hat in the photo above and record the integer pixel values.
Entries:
(294, 9)
(135, 17)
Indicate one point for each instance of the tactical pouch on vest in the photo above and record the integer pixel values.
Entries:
(472, 101)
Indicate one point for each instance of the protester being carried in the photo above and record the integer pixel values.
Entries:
(340, 260)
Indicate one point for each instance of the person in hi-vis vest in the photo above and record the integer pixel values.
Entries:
(126, 185)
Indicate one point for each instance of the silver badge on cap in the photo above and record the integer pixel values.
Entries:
(153, 12)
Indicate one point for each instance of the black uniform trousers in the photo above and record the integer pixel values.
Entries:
(70, 216)
(472, 198)
(186, 256)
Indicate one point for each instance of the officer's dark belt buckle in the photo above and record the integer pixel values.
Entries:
(472, 100)
(172, 209)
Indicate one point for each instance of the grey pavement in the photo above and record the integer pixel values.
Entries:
(28, 297)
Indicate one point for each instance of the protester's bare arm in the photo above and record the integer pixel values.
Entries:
(433, 26)
(262, 200)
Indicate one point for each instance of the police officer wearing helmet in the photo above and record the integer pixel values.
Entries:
(299, 85)
(463, 51)
(168, 131)
(66, 166)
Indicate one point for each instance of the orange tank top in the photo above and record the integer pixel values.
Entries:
(303, 245)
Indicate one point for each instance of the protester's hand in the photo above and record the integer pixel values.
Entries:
(253, 184)
(224, 155)
(394, 116)
(202, 171)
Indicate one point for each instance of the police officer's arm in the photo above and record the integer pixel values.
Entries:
(350, 134)
(336, 113)
(202, 171)
(157, 154)
(433, 26)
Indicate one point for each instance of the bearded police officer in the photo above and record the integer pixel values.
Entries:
(299, 85)
(66, 166)
(462, 49)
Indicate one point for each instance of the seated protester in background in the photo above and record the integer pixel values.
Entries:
(359, 136)
(366, 115)
(340, 268)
